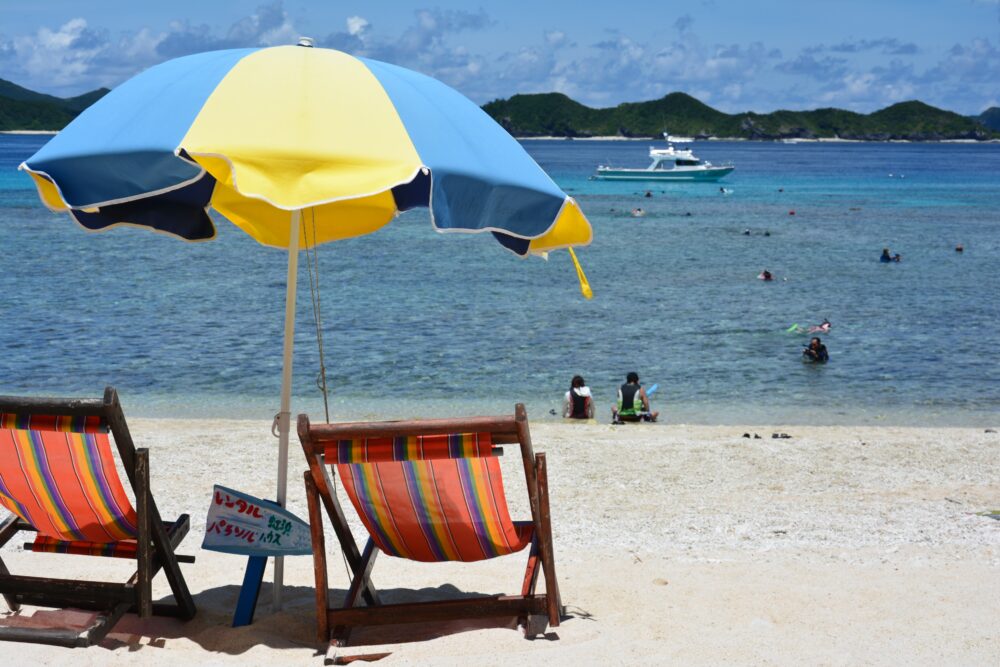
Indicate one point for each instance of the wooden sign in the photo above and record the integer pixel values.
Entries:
(248, 526)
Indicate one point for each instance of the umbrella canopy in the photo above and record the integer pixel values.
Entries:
(257, 133)
(262, 135)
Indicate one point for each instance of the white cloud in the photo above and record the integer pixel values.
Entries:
(555, 37)
(356, 25)
(76, 56)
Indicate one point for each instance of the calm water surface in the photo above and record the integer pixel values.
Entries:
(417, 323)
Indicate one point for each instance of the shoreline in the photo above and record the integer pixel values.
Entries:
(985, 426)
(787, 140)
(673, 414)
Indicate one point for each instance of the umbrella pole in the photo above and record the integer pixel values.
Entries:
(285, 416)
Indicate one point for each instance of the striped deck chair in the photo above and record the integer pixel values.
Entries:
(58, 479)
(427, 490)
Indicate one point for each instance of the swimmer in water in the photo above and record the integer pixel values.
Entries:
(765, 275)
(821, 328)
(886, 257)
(638, 212)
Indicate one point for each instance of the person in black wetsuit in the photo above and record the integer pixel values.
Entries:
(816, 352)
(633, 404)
(578, 403)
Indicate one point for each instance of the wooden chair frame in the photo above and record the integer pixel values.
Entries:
(534, 611)
(156, 542)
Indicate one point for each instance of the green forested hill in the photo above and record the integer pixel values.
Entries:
(991, 118)
(554, 114)
(23, 109)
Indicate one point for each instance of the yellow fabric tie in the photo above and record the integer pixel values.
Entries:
(584, 284)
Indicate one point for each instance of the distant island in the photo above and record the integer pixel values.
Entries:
(23, 110)
(556, 115)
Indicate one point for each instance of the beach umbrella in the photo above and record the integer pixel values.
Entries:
(265, 136)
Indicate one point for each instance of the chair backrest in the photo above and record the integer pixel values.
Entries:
(57, 472)
(423, 491)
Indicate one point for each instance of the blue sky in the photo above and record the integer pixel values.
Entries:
(735, 55)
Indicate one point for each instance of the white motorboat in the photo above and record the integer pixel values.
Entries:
(668, 164)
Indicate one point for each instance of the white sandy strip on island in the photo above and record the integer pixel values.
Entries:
(674, 544)
(29, 131)
(776, 140)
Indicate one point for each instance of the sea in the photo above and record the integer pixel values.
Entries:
(419, 324)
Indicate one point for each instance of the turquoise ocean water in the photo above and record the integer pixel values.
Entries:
(422, 324)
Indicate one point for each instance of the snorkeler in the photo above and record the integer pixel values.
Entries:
(816, 352)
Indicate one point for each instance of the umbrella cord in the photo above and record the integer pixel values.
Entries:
(312, 262)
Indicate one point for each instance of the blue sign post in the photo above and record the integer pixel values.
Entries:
(241, 524)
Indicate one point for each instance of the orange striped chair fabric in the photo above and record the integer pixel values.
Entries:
(59, 475)
(430, 498)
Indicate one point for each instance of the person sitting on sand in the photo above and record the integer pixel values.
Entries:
(816, 351)
(633, 403)
(578, 402)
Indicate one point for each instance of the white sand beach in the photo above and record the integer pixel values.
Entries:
(675, 544)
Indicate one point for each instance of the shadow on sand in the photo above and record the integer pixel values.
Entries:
(294, 627)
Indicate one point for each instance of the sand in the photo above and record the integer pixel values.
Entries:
(674, 545)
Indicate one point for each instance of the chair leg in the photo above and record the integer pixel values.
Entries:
(553, 599)
(165, 546)
(335, 512)
(531, 571)
(9, 529)
(162, 544)
(319, 559)
(144, 551)
(11, 600)
(360, 581)
(341, 634)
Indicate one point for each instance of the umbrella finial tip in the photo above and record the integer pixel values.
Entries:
(305, 41)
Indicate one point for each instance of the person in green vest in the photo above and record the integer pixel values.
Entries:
(633, 403)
